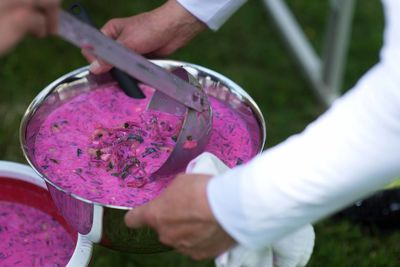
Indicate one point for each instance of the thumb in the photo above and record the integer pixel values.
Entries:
(111, 29)
(136, 217)
(36, 24)
(99, 66)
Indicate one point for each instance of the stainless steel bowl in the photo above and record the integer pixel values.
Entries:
(100, 223)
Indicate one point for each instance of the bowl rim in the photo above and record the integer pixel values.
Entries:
(83, 250)
(82, 72)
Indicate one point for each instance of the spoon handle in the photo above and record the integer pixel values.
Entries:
(127, 83)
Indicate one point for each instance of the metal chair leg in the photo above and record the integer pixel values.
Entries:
(325, 74)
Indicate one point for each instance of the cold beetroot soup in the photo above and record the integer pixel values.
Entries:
(32, 233)
(103, 145)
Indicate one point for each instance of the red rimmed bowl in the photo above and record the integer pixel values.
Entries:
(23, 189)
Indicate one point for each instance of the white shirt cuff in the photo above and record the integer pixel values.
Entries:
(223, 194)
(213, 13)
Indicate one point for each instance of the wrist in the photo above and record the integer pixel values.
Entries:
(181, 16)
(206, 205)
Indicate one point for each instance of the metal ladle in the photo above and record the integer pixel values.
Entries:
(196, 127)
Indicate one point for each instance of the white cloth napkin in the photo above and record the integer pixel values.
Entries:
(294, 250)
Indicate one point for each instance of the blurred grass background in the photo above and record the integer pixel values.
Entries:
(248, 50)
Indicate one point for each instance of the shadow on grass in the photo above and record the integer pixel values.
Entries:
(105, 257)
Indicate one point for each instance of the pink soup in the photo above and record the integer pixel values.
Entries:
(30, 230)
(103, 145)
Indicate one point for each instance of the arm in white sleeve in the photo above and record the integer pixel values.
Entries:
(349, 152)
(213, 13)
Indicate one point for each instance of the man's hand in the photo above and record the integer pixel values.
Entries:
(19, 17)
(182, 217)
(157, 33)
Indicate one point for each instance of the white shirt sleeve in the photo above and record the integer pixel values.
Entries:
(350, 151)
(213, 13)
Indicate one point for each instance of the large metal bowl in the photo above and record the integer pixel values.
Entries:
(102, 223)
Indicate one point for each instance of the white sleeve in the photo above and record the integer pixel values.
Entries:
(347, 153)
(214, 13)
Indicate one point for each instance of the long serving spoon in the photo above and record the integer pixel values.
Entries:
(127, 83)
(176, 92)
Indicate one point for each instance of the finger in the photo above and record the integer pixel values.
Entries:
(136, 217)
(201, 253)
(11, 31)
(49, 8)
(46, 4)
(99, 66)
(181, 235)
(6, 5)
(14, 25)
(52, 21)
(209, 249)
(197, 254)
(88, 55)
(113, 28)
(196, 240)
(23, 20)
(52, 13)
(37, 25)
(119, 30)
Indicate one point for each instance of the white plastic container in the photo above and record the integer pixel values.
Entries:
(83, 249)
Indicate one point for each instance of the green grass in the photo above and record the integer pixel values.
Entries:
(248, 50)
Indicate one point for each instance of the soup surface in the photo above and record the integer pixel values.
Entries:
(30, 237)
(103, 145)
